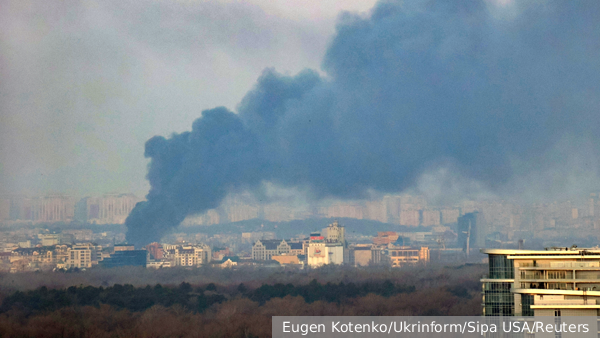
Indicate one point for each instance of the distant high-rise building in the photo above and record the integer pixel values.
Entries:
(110, 209)
(4, 209)
(472, 228)
(449, 215)
(53, 208)
(409, 216)
(376, 211)
(430, 218)
(593, 204)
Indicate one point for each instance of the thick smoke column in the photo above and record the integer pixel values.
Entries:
(473, 85)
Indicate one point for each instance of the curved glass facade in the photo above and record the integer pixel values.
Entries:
(498, 300)
(526, 302)
(501, 267)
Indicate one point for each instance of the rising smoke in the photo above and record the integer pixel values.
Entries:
(483, 87)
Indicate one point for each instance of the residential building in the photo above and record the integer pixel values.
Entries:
(82, 256)
(109, 209)
(54, 208)
(192, 255)
(556, 281)
(430, 217)
(409, 216)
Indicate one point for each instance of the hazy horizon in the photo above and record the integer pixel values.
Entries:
(495, 99)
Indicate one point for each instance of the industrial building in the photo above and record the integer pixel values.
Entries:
(551, 282)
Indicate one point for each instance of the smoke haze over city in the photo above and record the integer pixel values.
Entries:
(449, 100)
(487, 90)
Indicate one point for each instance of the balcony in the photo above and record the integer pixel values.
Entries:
(548, 286)
(559, 265)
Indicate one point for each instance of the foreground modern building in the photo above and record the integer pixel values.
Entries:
(551, 282)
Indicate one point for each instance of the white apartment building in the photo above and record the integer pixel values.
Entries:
(82, 256)
(187, 255)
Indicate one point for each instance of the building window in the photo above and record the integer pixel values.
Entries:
(501, 267)
(498, 300)
(557, 323)
(526, 302)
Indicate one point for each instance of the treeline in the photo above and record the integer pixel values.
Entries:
(241, 305)
(236, 317)
(329, 292)
(118, 296)
(252, 277)
(192, 299)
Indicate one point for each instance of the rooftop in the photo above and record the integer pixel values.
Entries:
(554, 251)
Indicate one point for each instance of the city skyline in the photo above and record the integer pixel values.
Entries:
(204, 168)
(476, 101)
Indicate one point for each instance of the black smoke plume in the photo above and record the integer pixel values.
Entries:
(487, 88)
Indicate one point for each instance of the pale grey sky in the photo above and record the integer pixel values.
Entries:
(85, 83)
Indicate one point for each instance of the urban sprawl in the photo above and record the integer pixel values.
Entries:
(414, 232)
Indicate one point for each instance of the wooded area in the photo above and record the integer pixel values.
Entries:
(236, 310)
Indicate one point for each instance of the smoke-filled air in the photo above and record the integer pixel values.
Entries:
(493, 90)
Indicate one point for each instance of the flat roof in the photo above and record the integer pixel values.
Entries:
(513, 252)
